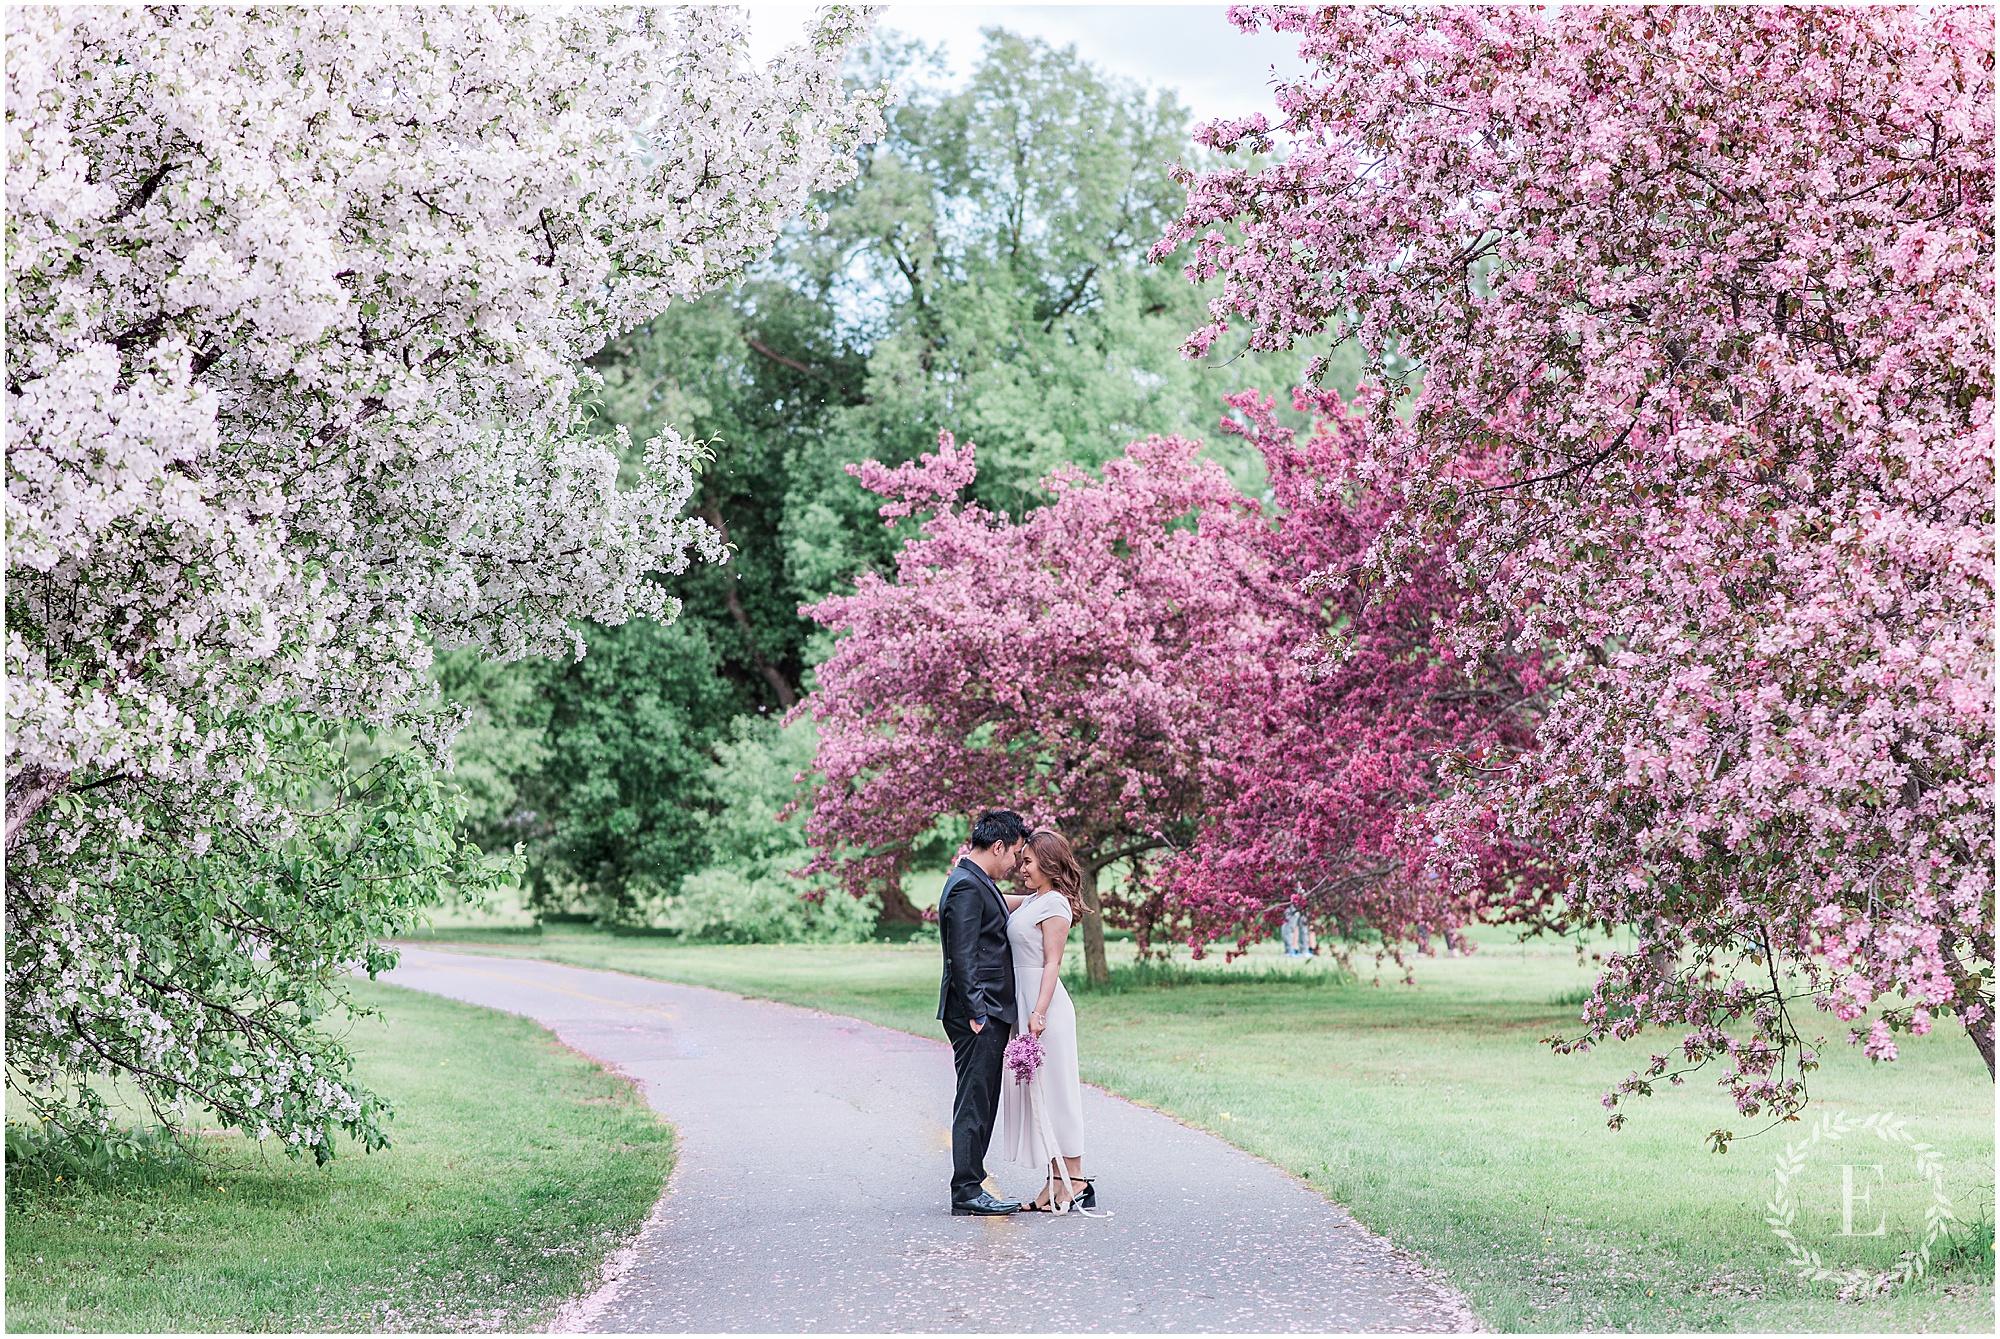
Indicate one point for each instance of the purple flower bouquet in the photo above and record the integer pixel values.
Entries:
(1024, 1056)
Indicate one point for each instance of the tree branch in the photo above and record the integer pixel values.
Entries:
(1589, 464)
(786, 697)
(1098, 862)
(140, 198)
(28, 793)
(783, 361)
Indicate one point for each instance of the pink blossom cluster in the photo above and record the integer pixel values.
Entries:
(1331, 758)
(1024, 1057)
(1707, 294)
(1065, 663)
(1134, 662)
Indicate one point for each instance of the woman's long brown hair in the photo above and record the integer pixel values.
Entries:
(1056, 858)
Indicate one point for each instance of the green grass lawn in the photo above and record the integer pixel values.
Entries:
(517, 1166)
(1435, 1114)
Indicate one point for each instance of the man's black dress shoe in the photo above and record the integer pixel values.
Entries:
(985, 1206)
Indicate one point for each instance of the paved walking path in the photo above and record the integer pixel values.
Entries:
(810, 1192)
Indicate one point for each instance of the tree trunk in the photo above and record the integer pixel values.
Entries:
(1094, 964)
(32, 787)
(1982, 1037)
(787, 699)
(897, 909)
(1969, 986)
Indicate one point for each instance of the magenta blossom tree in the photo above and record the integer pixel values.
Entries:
(1710, 290)
(1066, 664)
(1333, 759)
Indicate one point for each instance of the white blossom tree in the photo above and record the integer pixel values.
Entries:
(297, 299)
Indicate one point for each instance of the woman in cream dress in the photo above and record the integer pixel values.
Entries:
(1037, 928)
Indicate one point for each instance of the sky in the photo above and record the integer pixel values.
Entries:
(1192, 49)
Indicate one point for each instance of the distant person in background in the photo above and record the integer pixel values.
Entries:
(976, 999)
(1298, 937)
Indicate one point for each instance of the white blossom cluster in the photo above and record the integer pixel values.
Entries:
(296, 302)
(136, 952)
(88, 1001)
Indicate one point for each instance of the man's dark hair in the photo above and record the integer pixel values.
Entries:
(998, 827)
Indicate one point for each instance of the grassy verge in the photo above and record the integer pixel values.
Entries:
(517, 1166)
(1438, 1118)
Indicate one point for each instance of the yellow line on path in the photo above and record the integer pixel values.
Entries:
(668, 1014)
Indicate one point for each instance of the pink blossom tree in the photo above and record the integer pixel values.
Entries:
(1711, 292)
(1124, 662)
(1065, 664)
(1329, 760)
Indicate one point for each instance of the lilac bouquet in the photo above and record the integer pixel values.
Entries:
(1024, 1056)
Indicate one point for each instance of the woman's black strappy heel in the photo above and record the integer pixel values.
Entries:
(1083, 1195)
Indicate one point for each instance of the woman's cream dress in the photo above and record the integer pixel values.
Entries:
(1018, 1135)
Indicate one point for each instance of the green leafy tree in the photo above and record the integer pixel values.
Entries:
(501, 746)
(749, 895)
(622, 791)
(190, 952)
(997, 239)
(753, 372)
(985, 273)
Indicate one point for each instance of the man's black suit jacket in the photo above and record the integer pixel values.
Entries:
(978, 961)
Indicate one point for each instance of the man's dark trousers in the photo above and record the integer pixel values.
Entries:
(979, 1057)
(978, 982)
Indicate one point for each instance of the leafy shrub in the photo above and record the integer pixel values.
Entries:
(189, 944)
(749, 895)
(621, 791)
(725, 906)
(43, 1154)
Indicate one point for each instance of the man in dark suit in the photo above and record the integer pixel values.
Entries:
(976, 1000)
